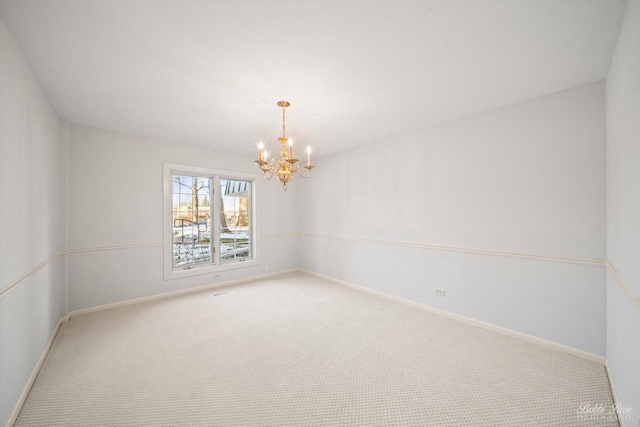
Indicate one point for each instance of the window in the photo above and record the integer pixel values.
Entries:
(209, 220)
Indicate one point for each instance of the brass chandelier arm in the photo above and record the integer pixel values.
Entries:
(308, 168)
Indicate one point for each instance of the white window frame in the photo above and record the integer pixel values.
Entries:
(170, 169)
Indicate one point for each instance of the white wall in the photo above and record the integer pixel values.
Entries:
(623, 212)
(115, 199)
(524, 179)
(31, 299)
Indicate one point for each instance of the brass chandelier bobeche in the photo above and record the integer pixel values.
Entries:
(285, 166)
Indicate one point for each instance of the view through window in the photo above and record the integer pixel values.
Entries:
(191, 220)
(197, 202)
(235, 218)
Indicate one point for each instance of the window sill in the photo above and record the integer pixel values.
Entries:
(177, 273)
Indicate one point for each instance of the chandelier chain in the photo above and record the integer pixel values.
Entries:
(284, 134)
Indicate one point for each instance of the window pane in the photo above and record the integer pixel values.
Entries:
(191, 220)
(235, 217)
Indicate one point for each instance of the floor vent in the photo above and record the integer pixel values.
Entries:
(219, 294)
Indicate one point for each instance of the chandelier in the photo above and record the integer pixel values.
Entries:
(285, 166)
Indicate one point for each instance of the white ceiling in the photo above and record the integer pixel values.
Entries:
(211, 72)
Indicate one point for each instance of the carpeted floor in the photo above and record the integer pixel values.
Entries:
(299, 351)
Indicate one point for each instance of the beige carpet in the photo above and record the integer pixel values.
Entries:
(299, 351)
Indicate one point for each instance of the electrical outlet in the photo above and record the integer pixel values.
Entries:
(440, 292)
(266, 268)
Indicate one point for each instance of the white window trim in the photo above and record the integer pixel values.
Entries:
(168, 169)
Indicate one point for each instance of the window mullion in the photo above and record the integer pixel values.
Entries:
(215, 219)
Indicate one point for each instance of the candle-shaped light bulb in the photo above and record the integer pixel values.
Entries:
(290, 142)
(260, 151)
(308, 155)
(265, 154)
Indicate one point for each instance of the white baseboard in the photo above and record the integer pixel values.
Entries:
(494, 328)
(34, 373)
(180, 292)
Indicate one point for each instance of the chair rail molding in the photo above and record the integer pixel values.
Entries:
(477, 251)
